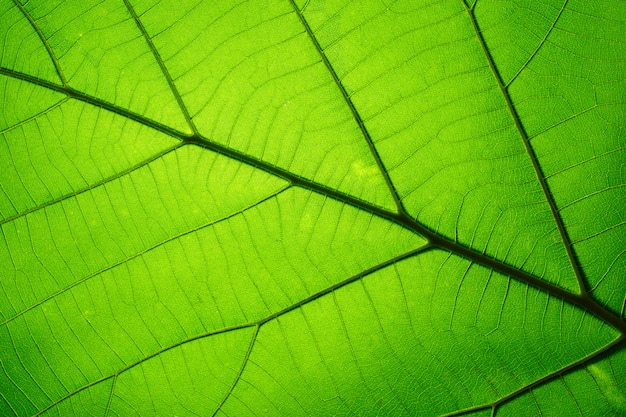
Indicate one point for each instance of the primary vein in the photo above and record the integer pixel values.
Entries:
(581, 300)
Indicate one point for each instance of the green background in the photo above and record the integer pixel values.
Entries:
(320, 207)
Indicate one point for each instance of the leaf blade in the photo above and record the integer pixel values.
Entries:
(276, 216)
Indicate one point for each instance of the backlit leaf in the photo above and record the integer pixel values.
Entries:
(312, 207)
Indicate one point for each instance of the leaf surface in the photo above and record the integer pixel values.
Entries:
(312, 208)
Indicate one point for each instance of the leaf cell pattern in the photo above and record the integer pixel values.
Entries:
(312, 207)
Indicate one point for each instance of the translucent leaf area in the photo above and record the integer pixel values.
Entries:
(312, 208)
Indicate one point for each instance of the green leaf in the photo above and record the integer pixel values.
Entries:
(312, 207)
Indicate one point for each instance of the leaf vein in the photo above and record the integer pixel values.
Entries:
(143, 252)
(531, 153)
(541, 43)
(45, 42)
(164, 70)
(399, 218)
(357, 117)
(97, 184)
(541, 381)
(240, 372)
(258, 324)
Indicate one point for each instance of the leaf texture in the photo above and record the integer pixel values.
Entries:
(316, 207)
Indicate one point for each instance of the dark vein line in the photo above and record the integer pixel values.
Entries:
(175, 345)
(467, 5)
(435, 240)
(291, 177)
(108, 408)
(4, 400)
(541, 381)
(140, 361)
(534, 53)
(600, 191)
(598, 386)
(571, 394)
(535, 403)
(533, 157)
(32, 22)
(27, 371)
(600, 232)
(585, 161)
(580, 300)
(94, 185)
(77, 95)
(256, 324)
(35, 116)
(306, 4)
(392, 352)
(164, 69)
(241, 369)
(345, 282)
(457, 293)
(141, 253)
(355, 114)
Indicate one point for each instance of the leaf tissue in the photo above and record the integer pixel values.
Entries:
(312, 208)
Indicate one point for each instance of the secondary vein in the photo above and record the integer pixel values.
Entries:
(241, 369)
(97, 184)
(164, 70)
(346, 97)
(540, 381)
(43, 39)
(142, 252)
(256, 324)
(534, 53)
(581, 300)
(533, 157)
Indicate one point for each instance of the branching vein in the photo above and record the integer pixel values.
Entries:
(241, 369)
(53, 57)
(164, 70)
(256, 324)
(533, 157)
(94, 185)
(355, 114)
(141, 253)
(541, 381)
(400, 217)
(580, 300)
(534, 53)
